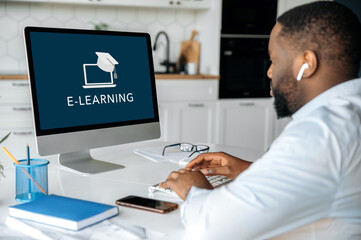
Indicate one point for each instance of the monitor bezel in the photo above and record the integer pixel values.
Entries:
(44, 132)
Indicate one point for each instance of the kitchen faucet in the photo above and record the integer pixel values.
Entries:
(166, 61)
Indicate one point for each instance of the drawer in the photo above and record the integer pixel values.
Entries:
(14, 91)
(181, 90)
(15, 117)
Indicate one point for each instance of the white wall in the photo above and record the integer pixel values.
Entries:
(177, 23)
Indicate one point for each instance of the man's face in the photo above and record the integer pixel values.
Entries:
(285, 89)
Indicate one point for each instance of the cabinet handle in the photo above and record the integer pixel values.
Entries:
(20, 84)
(22, 133)
(249, 104)
(21, 109)
(198, 105)
(178, 3)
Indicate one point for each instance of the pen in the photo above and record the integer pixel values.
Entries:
(28, 151)
(26, 173)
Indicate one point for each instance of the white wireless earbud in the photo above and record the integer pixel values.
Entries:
(300, 73)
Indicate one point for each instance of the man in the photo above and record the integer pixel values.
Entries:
(308, 184)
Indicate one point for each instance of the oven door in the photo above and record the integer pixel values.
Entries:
(243, 68)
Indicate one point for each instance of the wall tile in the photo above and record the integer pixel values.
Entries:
(118, 26)
(176, 31)
(2, 48)
(17, 11)
(15, 16)
(51, 22)
(126, 15)
(166, 16)
(8, 65)
(185, 17)
(22, 67)
(2, 9)
(16, 48)
(146, 16)
(40, 12)
(75, 23)
(84, 13)
(8, 28)
(105, 14)
(136, 27)
(63, 12)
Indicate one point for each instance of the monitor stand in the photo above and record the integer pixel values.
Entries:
(83, 163)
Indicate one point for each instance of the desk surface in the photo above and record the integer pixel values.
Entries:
(107, 187)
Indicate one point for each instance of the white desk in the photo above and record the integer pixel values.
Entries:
(107, 187)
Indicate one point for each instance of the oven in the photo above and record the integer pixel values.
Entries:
(243, 66)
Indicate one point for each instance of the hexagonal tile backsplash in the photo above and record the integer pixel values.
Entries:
(15, 16)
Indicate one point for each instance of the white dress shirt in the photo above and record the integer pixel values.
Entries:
(307, 186)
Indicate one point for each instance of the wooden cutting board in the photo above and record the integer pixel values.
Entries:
(191, 50)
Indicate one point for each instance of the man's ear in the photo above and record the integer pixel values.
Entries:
(310, 58)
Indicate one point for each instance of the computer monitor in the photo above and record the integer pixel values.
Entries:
(90, 89)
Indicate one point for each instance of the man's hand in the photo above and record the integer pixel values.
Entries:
(182, 181)
(218, 164)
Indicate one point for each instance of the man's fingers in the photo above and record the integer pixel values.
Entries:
(167, 184)
(216, 171)
(202, 159)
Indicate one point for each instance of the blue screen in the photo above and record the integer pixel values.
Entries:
(66, 96)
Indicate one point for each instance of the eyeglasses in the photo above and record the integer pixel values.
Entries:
(187, 147)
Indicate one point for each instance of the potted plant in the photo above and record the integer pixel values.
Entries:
(1, 166)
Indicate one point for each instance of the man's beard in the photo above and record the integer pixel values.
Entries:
(286, 96)
(280, 104)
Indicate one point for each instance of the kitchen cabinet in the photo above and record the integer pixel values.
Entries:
(189, 121)
(187, 110)
(246, 123)
(16, 116)
(181, 4)
(197, 4)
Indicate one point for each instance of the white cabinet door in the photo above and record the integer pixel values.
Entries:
(246, 123)
(169, 121)
(197, 122)
(187, 109)
(192, 121)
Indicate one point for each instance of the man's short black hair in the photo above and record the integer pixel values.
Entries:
(330, 29)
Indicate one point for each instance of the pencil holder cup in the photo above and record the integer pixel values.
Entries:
(31, 180)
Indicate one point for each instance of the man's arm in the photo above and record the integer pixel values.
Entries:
(290, 186)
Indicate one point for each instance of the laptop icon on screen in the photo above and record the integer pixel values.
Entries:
(97, 75)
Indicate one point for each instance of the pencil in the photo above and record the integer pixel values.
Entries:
(26, 173)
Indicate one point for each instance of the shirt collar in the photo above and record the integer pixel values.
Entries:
(347, 88)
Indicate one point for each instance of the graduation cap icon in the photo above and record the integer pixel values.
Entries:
(107, 64)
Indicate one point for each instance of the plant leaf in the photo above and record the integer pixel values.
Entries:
(4, 138)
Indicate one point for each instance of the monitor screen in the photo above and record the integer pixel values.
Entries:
(90, 88)
(73, 93)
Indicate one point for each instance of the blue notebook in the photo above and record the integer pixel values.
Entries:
(64, 212)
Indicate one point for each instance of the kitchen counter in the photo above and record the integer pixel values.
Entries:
(157, 77)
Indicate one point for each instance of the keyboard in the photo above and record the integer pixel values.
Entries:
(216, 181)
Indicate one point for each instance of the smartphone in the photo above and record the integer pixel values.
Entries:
(147, 204)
